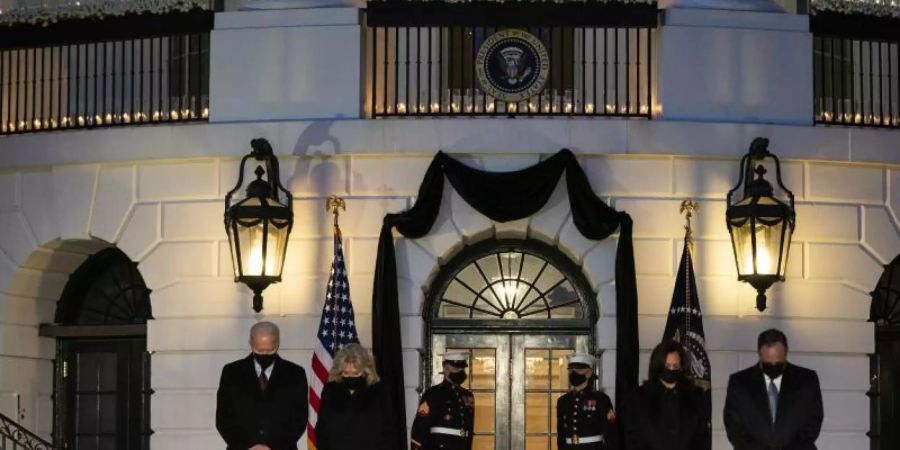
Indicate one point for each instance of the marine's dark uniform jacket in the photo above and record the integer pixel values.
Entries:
(445, 407)
(586, 415)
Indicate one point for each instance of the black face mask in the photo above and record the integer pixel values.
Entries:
(457, 377)
(773, 370)
(355, 383)
(264, 360)
(671, 375)
(576, 379)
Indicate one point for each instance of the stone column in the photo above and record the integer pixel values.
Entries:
(729, 65)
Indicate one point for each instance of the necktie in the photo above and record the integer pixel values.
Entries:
(263, 381)
(773, 399)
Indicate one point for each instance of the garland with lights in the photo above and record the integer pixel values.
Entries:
(880, 8)
(93, 9)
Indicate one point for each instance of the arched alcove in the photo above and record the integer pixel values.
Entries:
(885, 362)
(101, 365)
(519, 307)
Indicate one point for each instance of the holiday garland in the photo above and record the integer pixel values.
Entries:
(45, 15)
(883, 8)
(97, 9)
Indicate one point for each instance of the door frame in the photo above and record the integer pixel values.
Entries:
(509, 347)
(435, 325)
(133, 381)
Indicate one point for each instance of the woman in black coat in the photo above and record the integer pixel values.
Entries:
(352, 415)
(671, 412)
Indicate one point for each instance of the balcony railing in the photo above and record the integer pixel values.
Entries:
(423, 59)
(118, 71)
(14, 437)
(856, 66)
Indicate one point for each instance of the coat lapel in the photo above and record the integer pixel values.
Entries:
(760, 393)
(277, 374)
(784, 394)
(251, 376)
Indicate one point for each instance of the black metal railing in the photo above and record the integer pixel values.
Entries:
(423, 63)
(856, 71)
(14, 437)
(127, 75)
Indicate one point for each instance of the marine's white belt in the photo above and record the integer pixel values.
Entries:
(578, 440)
(449, 431)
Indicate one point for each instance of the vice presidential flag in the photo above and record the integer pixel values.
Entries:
(685, 325)
(685, 322)
(337, 328)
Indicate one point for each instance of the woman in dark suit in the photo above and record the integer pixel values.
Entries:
(671, 411)
(351, 415)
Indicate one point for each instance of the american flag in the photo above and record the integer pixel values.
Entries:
(336, 329)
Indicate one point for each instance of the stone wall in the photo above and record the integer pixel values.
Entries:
(167, 215)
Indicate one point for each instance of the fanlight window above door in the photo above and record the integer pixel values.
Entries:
(511, 282)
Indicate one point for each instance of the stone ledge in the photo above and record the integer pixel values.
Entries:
(266, 14)
(721, 18)
(469, 136)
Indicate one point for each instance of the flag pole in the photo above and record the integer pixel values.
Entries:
(334, 204)
(688, 208)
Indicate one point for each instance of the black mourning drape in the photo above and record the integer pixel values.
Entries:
(501, 196)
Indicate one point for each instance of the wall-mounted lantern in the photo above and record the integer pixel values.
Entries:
(258, 225)
(760, 224)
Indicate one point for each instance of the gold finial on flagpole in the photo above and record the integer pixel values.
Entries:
(689, 207)
(333, 205)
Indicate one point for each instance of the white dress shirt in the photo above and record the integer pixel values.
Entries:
(268, 369)
(777, 381)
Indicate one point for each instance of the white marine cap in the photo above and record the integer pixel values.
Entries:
(457, 358)
(581, 359)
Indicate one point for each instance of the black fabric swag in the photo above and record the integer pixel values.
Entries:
(502, 197)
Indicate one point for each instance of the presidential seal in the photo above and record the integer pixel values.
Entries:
(512, 65)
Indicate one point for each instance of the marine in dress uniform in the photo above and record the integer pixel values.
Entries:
(446, 411)
(585, 416)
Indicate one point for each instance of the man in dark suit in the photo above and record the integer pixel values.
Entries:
(261, 402)
(774, 404)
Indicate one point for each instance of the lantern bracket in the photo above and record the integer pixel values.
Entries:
(759, 150)
(262, 152)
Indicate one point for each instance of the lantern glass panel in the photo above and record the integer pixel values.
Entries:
(259, 261)
(768, 232)
(234, 250)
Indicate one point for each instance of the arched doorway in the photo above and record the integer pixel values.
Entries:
(885, 362)
(102, 370)
(519, 307)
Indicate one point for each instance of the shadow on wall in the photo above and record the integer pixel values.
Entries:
(315, 170)
(316, 174)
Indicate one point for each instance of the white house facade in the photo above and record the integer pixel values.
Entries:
(325, 86)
